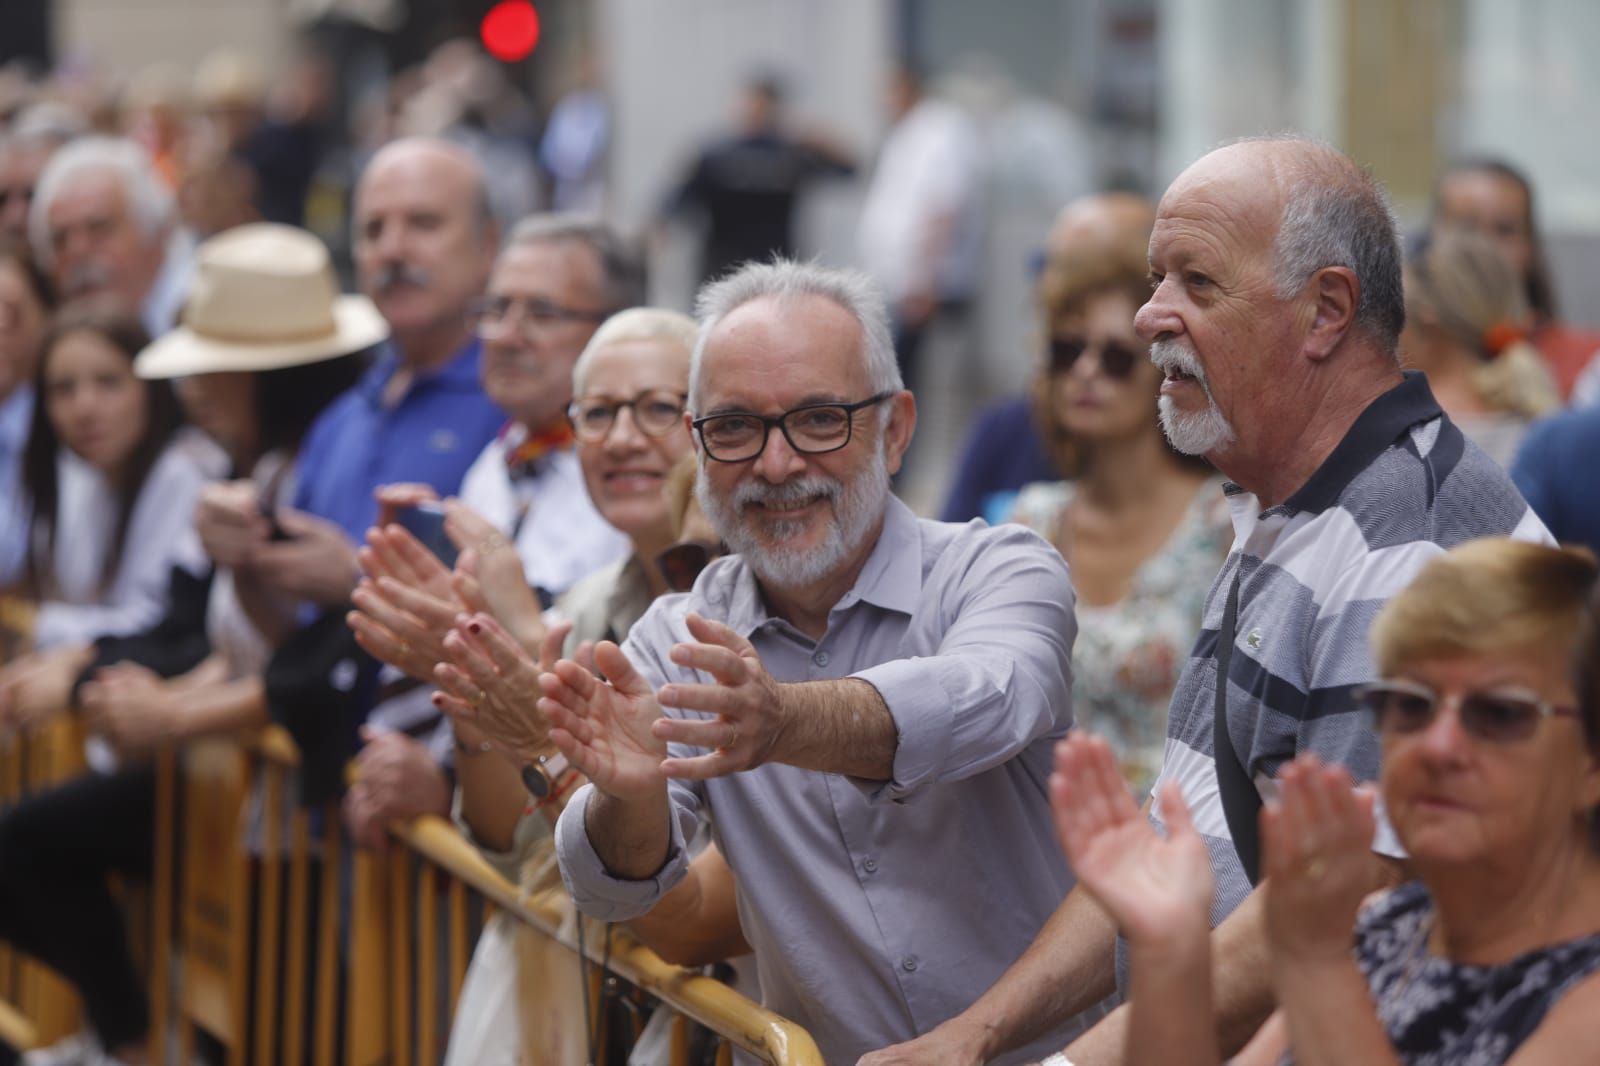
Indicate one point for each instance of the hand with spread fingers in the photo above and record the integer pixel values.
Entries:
(489, 576)
(1157, 889)
(1317, 856)
(405, 605)
(746, 701)
(603, 724)
(489, 681)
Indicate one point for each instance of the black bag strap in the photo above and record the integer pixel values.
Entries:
(1241, 803)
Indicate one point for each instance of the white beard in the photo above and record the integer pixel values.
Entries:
(857, 506)
(1192, 434)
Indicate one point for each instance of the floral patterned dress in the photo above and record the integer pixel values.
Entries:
(1442, 1013)
(1128, 654)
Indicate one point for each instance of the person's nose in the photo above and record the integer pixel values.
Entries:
(778, 461)
(624, 437)
(1445, 738)
(1158, 319)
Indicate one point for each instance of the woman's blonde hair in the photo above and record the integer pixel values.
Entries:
(1465, 286)
(636, 324)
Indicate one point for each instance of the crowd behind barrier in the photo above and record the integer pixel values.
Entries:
(367, 656)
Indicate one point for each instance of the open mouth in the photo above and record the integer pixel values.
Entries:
(784, 508)
(1174, 374)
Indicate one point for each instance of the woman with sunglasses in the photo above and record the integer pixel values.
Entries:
(1141, 525)
(1488, 713)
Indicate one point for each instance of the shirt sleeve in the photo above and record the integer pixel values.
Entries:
(1001, 676)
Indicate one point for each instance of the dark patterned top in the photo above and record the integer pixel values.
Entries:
(1441, 1012)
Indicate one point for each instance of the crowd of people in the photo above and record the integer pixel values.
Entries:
(1243, 707)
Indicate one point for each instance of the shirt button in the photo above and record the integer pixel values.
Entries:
(909, 964)
(821, 658)
(871, 866)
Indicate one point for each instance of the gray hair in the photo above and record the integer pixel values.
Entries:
(148, 200)
(1336, 214)
(785, 279)
(622, 269)
(635, 324)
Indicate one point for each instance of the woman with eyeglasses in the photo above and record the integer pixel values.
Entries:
(1141, 525)
(1488, 714)
(483, 636)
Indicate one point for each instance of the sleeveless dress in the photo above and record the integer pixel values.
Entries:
(1439, 1012)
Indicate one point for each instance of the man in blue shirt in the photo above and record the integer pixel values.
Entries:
(1554, 469)
(424, 241)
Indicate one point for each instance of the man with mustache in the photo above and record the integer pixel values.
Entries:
(101, 224)
(1276, 315)
(862, 703)
(424, 242)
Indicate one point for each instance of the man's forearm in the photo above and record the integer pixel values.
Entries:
(1069, 967)
(631, 837)
(839, 727)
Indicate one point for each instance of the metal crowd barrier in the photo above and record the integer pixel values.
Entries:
(291, 946)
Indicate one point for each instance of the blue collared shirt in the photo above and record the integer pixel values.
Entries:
(16, 418)
(431, 435)
(878, 909)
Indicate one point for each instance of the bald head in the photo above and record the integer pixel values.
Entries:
(424, 241)
(1091, 225)
(1319, 208)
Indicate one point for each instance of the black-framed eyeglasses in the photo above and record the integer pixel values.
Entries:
(490, 317)
(656, 412)
(682, 563)
(812, 429)
(1497, 716)
(1117, 359)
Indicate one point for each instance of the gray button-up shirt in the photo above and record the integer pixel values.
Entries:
(879, 909)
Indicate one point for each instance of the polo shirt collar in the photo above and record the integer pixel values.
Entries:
(891, 578)
(1374, 431)
(459, 374)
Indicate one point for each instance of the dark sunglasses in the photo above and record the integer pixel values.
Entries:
(1117, 360)
(682, 563)
(1496, 717)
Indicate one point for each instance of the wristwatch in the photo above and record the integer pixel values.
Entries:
(541, 776)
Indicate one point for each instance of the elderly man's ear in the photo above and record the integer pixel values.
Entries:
(902, 423)
(1336, 293)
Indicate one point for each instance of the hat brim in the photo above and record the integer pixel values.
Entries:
(182, 352)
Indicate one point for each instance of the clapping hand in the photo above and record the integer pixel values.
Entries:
(490, 682)
(405, 604)
(489, 575)
(603, 724)
(749, 714)
(1317, 853)
(1156, 889)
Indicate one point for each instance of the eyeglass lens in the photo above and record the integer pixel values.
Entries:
(1117, 360)
(1496, 718)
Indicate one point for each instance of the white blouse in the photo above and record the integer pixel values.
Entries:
(159, 537)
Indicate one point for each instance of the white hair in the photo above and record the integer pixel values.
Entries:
(635, 324)
(148, 199)
(784, 280)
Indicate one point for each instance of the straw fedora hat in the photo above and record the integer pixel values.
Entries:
(263, 297)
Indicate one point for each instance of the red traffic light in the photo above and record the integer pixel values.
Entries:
(510, 30)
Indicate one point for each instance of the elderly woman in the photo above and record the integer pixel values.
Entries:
(1142, 525)
(1488, 712)
(480, 634)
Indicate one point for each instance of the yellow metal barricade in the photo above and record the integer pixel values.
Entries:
(290, 946)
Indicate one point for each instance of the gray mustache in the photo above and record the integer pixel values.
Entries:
(393, 274)
(86, 276)
(790, 492)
